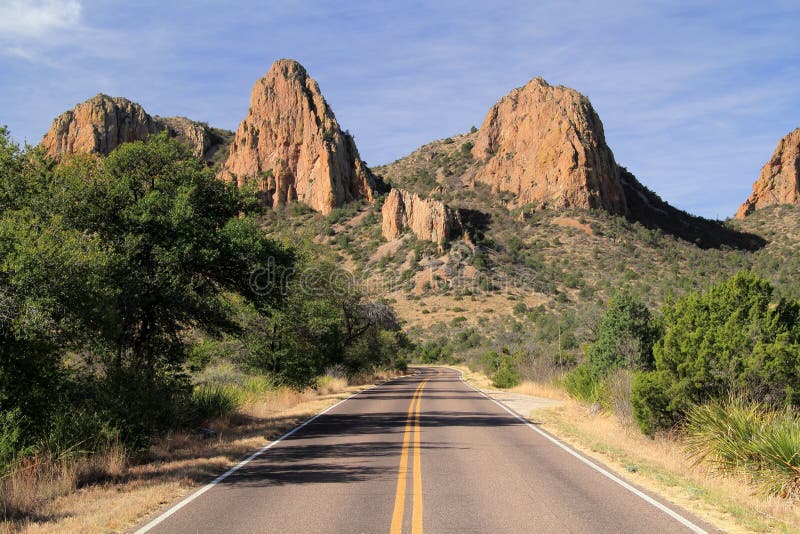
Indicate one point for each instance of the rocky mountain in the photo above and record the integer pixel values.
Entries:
(206, 142)
(102, 123)
(291, 143)
(779, 181)
(543, 148)
(546, 145)
(428, 219)
(98, 125)
(539, 147)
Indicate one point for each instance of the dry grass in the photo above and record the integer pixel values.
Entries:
(536, 389)
(42, 478)
(104, 493)
(660, 465)
(445, 308)
(571, 222)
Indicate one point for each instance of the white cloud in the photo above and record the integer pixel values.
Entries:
(36, 19)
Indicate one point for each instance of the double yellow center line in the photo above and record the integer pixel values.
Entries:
(412, 427)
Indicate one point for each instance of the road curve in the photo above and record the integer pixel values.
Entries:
(420, 453)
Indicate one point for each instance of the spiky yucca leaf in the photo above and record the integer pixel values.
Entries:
(747, 440)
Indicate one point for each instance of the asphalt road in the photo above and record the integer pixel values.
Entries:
(424, 452)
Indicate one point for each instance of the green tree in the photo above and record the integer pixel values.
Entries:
(625, 336)
(326, 321)
(730, 338)
(111, 261)
(178, 243)
(48, 273)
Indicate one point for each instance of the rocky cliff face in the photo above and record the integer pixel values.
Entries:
(546, 145)
(779, 181)
(427, 218)
(292, 144)
(102, 123)
(98, 125)
(190, 133)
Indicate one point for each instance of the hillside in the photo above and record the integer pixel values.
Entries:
(523, 274)
(538, 213)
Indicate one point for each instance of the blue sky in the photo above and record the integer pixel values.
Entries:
(694, 96)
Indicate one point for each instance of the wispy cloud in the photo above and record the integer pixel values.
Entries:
(28, 19)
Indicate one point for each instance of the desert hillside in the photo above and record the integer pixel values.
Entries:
(170, 290)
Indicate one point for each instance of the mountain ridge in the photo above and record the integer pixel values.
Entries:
(540, 146)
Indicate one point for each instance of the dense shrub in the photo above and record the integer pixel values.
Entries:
(582, 384)
(507, 375)
(732, 337)
(625, 336)
(650, 403)
(502, 367)
(624, 343)
(435, 352)
(325, 321)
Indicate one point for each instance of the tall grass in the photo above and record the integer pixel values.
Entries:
(214, 401)
(43, 476)
(611, 391)
(748, 440)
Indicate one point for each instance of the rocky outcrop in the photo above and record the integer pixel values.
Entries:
(291, 143)
(98, 125)
(428, 219)
(546, 145)
(779, 181)
(192, 134)
(102, 123)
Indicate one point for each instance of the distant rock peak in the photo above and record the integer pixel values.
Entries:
(102, 123)
(779, 180)
(290, 143)
(98, 125)
(546, 145)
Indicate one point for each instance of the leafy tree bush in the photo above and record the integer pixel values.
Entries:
(625, 336)
(625, 339)
(732, 337)
(112, 260)
(582, 384)
(503, 367)
(507, 374)
(435, 352)
(651, 403)
(326, 321)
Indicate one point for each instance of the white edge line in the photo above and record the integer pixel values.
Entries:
(672, 513)
(158, 520)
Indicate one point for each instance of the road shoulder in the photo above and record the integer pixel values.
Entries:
(657, 466)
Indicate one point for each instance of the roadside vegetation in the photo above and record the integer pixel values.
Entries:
(140, 296)
(674, 340)
(147, 310)
(717, 370)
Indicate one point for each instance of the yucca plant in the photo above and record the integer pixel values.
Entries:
(212, 401)
(779, 447)
(748, 440)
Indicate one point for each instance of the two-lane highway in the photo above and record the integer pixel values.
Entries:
(423, 452)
